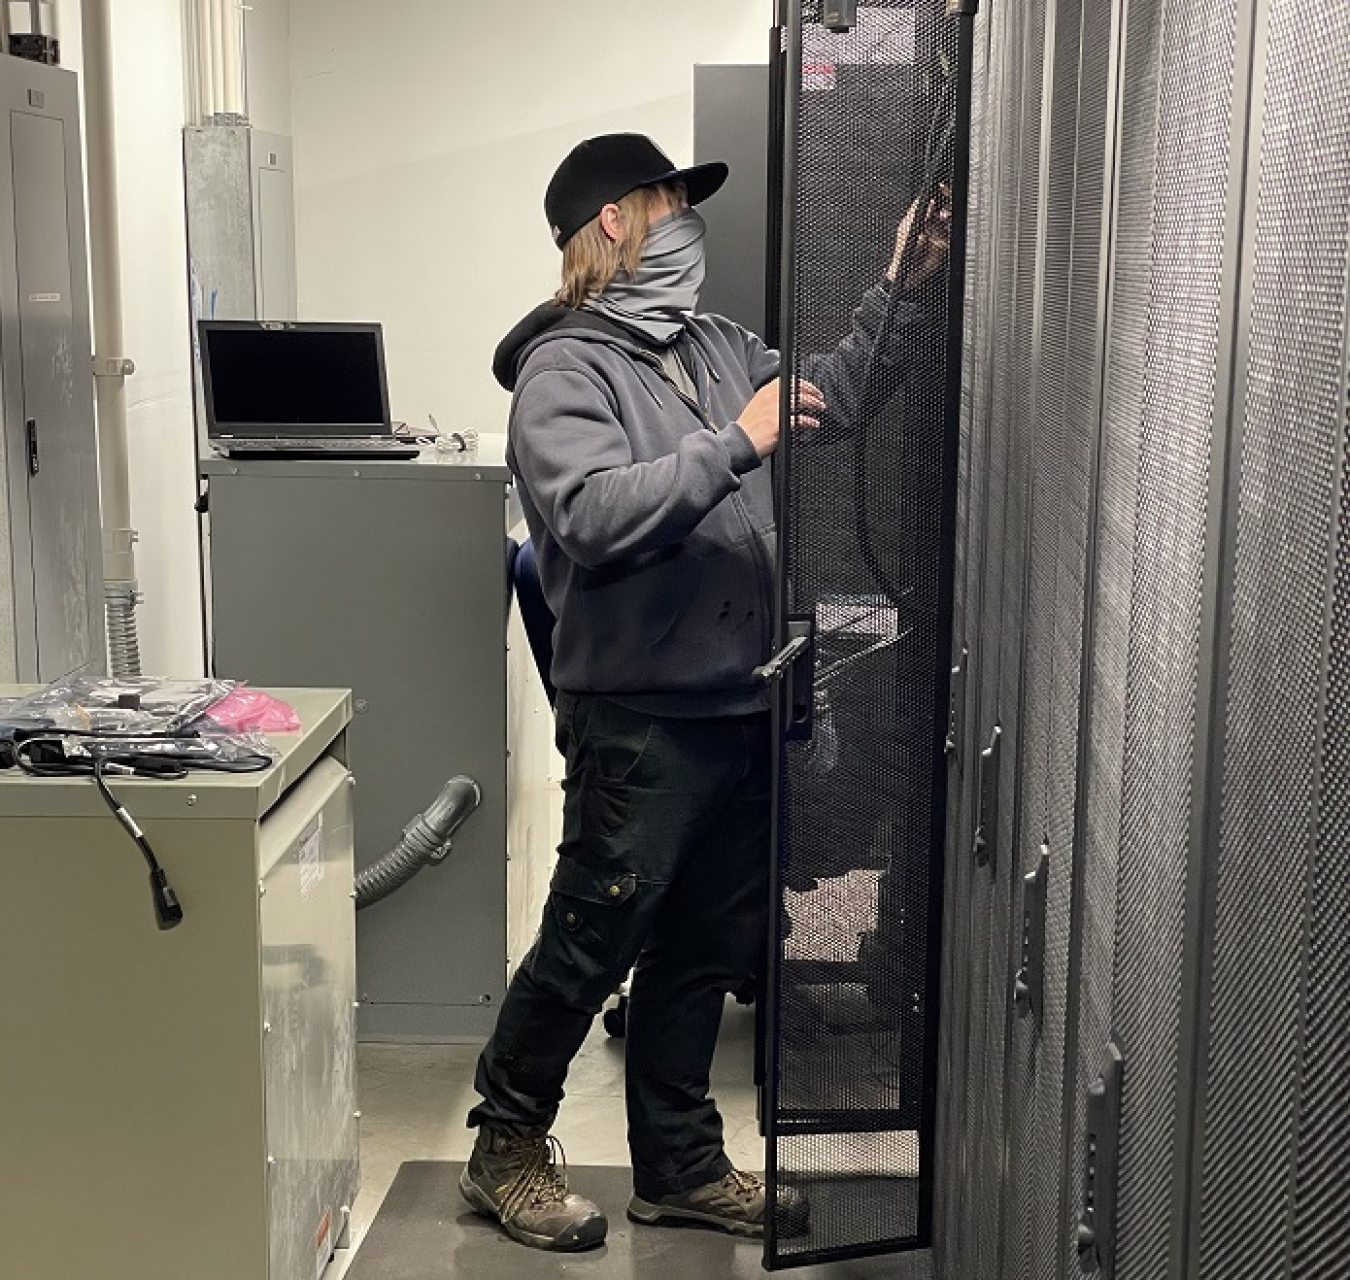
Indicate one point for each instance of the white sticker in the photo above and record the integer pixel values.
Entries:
(818, 76)
(323, 1250)
(311, 857)
(44, 297)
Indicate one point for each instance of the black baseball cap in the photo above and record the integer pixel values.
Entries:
(602, 170)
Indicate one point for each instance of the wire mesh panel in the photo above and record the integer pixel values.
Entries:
(1032, 1150)
(961, 931)
(866, 530)
(1016, 191)
(1187, 193)
(1276, 1057)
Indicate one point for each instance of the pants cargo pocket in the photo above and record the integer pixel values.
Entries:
(596, 931)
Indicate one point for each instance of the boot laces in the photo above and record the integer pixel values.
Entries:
(540, 1182)
(745, 1186)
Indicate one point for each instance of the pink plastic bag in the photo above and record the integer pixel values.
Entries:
(252, 711)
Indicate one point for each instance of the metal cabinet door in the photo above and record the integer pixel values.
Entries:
(867, 522)
(56, 390)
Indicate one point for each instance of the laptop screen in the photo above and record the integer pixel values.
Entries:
(261, 378)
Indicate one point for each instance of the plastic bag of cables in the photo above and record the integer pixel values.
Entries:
(57, 754)
(132, 706)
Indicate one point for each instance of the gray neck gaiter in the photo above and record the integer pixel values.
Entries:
(655, 299)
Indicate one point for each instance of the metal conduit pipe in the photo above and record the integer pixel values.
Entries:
(110, 365)
(426, 840)
(216, 31)
(124, 646)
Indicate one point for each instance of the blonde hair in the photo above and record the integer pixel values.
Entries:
(591, 259)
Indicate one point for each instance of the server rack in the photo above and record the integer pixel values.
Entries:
(1144, 996)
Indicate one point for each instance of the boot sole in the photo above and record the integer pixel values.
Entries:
(589, 1235)
(663, 1215)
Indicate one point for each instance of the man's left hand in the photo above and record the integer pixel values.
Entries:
(928, 254)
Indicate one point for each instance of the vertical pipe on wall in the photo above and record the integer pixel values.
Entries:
(119, 567)
(215, 62)
(231, 44)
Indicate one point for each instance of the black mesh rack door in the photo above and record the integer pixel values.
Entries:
(875, 122)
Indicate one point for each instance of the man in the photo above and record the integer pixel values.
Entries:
(638, 435)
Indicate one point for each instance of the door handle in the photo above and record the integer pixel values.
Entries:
(956, 710)
(34, 463)
(1096, 1235)
(986, 833)
(794, 666)
(1029, 983)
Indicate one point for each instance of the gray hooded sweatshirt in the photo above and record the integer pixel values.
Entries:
(651, 514)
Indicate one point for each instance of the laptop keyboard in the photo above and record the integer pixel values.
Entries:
(323, 444)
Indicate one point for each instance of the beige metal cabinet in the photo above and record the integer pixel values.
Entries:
(181, 1104)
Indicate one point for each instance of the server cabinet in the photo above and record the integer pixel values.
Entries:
(1269, 1195)
(1143, 1053)
(51, 615)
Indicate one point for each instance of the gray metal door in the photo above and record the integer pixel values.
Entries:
(1270, 1195)
(55, 379)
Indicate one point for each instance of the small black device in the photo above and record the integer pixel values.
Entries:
(291, 389)
(839, 16)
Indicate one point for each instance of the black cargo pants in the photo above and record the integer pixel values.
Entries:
(664, 866)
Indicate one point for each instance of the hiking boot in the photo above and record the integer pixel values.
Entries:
(518, 1181)
(737, 1203)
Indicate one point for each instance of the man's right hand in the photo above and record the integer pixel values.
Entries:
(760, 418)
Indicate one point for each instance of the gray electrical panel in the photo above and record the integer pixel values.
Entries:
(241, 228)
(51, 618)
(389, 578)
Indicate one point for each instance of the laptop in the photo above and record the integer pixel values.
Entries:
(275, 389)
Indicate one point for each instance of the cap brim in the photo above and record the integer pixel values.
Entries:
(701, 180)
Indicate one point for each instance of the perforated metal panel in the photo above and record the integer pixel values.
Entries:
(1276, 1060)
(1321, 1194)
(1189, 212)
(961, 932)
(1010, 364)
(867, 518)
(1032, 1188)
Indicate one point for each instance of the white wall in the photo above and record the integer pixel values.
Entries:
(423, 144)
(150, 96)
(425, 133)
(149, 115)
(267, 50)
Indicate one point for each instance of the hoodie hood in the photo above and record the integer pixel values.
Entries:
(552, 320)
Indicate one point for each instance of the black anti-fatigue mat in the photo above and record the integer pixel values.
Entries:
(425, 1231)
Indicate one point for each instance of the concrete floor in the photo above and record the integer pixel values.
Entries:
(414, 1098)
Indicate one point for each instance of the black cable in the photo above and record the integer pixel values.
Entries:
(168, 910)
(127, 755)
(938, 152)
